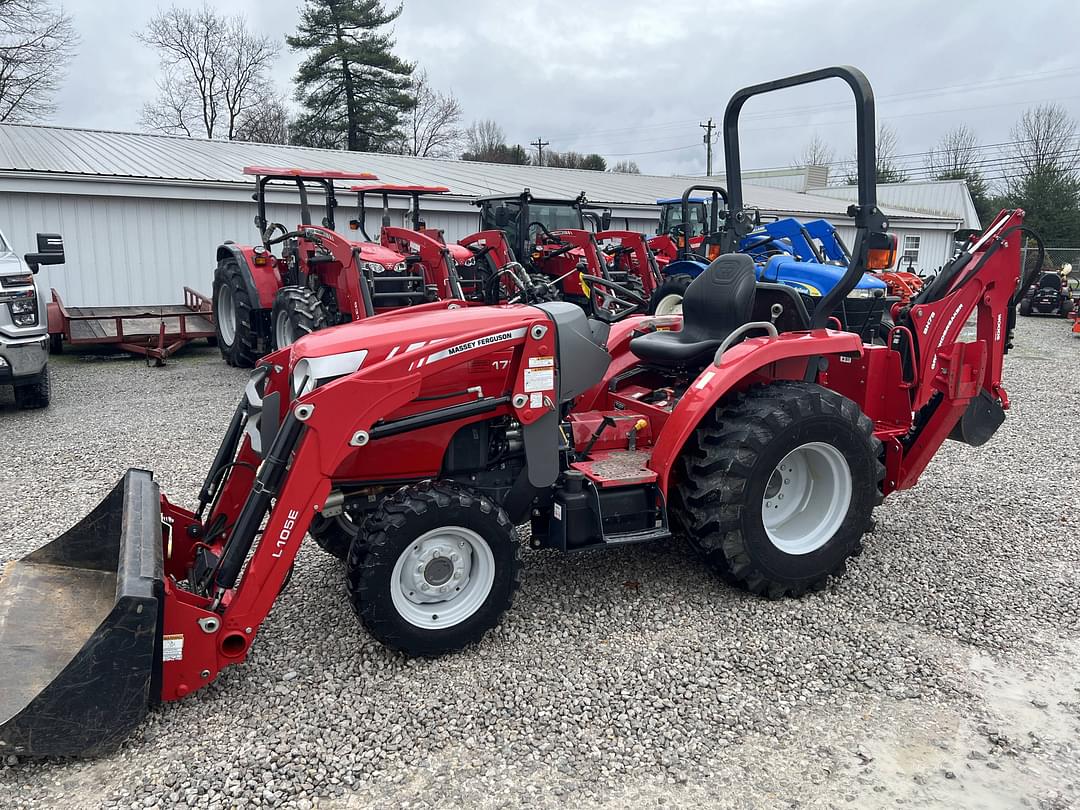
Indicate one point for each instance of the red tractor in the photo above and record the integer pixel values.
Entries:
(760, 434)
(263, 301)
(551, 238)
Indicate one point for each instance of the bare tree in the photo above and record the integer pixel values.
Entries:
(815, 153)
(431, 128)
(36, 44)
(484, 137)
(1044, 140)
(888, 168)
(214, 72)
(266, 123)
(625, 167)
(955, 154)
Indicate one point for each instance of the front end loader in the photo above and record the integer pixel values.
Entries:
(746, 425)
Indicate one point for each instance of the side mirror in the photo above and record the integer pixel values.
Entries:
(50, 250)
(502, 216)
(605, 221)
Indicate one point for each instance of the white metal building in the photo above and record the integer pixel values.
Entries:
(142, 214)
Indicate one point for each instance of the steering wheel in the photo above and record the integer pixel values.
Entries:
(551, 238)
(620, 299)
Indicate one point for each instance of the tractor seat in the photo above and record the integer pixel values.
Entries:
(1050, 281)
(716, 303)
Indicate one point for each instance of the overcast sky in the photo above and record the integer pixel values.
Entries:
(633, 79)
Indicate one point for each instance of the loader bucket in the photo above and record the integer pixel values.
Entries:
(80, 629)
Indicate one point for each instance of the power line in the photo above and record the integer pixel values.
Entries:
(708, 146)
(539, 143)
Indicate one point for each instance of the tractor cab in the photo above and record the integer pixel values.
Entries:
(552, 238)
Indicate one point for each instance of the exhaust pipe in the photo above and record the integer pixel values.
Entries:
(80, 629)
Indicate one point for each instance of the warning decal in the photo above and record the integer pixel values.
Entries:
(539, 379)
(542, 362)
(172, 647)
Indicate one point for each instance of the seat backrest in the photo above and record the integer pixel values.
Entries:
(1050, 281)
(721, 299)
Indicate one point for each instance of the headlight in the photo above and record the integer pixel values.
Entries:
(24, 311)
(868, 292)
(372, 267)
(400, 267)
(309, 373)
(303, 381)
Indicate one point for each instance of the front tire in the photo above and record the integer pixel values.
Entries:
(233, 316)
(1025, 306)
(667, 298)
(297, 312)
(36, 394)
(777, 487)
(436, 568)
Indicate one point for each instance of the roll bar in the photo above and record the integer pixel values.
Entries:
(868, 219)
(718, 193)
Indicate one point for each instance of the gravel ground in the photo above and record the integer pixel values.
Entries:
(940, 672)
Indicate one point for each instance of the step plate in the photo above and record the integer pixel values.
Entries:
(617, 468)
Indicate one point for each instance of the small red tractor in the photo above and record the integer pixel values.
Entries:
(262, 301)
(752, 429)
(551, 238)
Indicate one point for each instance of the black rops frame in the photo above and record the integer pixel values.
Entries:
(325, 183)
(868, 219)
(718, 193)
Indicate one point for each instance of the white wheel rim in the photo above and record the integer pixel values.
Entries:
(670, 305)
(807, 498)
(442, 578)
(283, 331)
(226, 316)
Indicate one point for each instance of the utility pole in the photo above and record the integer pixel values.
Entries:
(539, 144)
(708, 146)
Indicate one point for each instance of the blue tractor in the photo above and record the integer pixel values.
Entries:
(809, 256)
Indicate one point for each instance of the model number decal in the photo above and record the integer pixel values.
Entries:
(286, 532)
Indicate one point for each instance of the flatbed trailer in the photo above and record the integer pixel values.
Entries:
(155, 332)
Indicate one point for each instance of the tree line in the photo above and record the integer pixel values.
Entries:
(1037, 169)
(352, 91)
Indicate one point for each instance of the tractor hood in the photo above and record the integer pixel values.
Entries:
(371, 252)
(330, 353)
(812, 278)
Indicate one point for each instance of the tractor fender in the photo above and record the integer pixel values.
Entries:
(759, 359)
(262, 282)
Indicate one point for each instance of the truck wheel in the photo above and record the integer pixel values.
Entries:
(35, 394)
(56, 343)
(297, 312)
(437, 568)
(667, 298)
(236, 336)
(777, 487)
(1025, 306)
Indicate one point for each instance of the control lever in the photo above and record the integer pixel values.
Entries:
(605, 423)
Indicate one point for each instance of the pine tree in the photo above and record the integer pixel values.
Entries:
(353, 89)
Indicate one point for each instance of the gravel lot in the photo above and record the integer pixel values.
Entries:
(940, 672)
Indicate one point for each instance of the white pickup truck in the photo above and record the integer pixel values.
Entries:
(24, 328)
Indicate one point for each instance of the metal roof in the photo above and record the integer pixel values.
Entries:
(949, 198)
(96, 153)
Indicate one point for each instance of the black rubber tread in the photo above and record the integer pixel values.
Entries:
(1025, 306)
(1067, 307)
(333, 535)
(244, 350)
(35, 394)
(304, 308)
(398, 521)
(671, 285)
(56, 343)
(724, 468)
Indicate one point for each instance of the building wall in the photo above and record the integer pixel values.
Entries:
(141, 246)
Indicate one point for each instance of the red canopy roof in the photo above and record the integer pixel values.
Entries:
(392, 189)
(330, 174)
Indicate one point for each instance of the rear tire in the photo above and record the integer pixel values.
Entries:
(233, 312)
(1025, 306)
(56, 343)
(667, 298)
(1067, 308)
(787, 437)
(34, 395)
(435, 569)
(297, 312)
